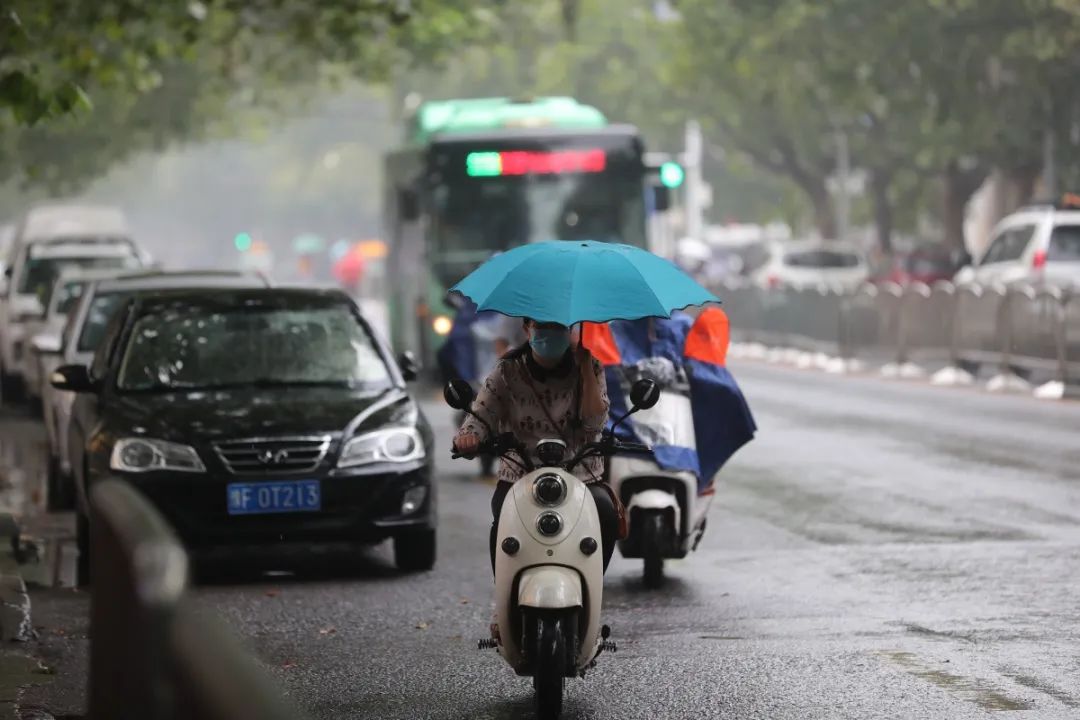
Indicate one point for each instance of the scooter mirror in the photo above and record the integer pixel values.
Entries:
(644, 394)
(459, 394)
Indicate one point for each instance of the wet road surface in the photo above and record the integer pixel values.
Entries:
(881, 550)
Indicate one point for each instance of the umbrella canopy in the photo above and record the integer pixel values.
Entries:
(568, 282)
(349, 269)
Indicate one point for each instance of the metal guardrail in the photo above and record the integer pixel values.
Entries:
(153, 655)
(1019, 329)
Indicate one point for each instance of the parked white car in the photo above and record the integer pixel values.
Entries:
(45, 345)
(1039, 244)
(83, 329)
(809, 263)
(48, 241)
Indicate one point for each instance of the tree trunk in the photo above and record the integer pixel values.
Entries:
(880, 181)
(1020, 186)
(958, 185)
(821, 201)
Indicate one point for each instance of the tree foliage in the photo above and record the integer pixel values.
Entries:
(941, 90)
(931, 96)
(84, 85)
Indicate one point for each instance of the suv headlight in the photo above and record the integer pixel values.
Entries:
(146, 455)
(394, 445)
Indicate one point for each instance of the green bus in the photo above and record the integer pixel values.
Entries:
(480, 176)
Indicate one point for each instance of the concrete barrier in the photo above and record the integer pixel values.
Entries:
(152, 657)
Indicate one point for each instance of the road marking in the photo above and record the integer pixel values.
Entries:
(969, 689)
(1036, 684)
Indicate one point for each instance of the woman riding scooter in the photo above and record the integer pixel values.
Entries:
(545, 389)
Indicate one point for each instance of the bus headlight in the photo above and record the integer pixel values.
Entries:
(442, 325)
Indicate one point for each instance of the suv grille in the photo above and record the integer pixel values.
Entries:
(261, 456)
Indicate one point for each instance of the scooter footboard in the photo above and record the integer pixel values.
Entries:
(550, 587)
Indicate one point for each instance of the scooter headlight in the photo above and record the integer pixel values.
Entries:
(549, 490)
(549, 524)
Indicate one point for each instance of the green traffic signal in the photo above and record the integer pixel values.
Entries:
(672, 174)
(242, 241)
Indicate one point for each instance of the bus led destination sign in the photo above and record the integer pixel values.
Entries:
(527, 162)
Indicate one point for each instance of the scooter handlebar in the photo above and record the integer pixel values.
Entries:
(498, 446)
(633, 447)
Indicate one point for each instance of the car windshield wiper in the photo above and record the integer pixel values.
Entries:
(278, 382)
(255, 383)
(274, 382)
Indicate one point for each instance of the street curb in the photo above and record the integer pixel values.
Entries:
(20, 670)
(14, 601)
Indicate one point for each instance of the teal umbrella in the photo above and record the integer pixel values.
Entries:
(568, 282)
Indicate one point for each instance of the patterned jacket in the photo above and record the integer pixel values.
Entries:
(514, 397)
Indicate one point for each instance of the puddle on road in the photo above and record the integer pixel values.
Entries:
(47, 538)
(952, 450)
(830, 519)
(972, 690)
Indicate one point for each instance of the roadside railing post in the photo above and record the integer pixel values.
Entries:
(1057, 300)
(892, 308)
(952, 373)
(152, 656)
(139, 571)
(1061, 341)
(1007, 380)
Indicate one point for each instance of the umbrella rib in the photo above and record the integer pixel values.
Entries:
(578, 265)
(647, 284)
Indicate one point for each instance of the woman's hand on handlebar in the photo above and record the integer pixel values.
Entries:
(467, 445)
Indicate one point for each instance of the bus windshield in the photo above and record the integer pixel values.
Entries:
(474, 215)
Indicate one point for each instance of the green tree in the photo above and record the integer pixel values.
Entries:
(749, 71)
(164, 72)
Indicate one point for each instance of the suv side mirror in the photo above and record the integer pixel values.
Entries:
(73, 378)
(459, 394)
(410, 368)
(644, 394)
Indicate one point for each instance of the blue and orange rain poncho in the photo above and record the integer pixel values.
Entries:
(703, 418)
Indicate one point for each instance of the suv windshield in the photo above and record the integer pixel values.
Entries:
(821, 259)
(70, 292)
(1064, 244)
(101, 311)
(39, 274)
(193, 347)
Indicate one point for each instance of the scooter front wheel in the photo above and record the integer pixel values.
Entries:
(654, 537)
(550, 665)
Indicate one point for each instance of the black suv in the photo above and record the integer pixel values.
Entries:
(254, 417)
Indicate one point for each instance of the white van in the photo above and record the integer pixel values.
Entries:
(48, 241)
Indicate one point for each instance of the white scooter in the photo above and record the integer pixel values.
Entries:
(549, 573)
(667, 516)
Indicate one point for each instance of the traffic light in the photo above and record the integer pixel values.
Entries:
(242, 241)
(672, 175)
